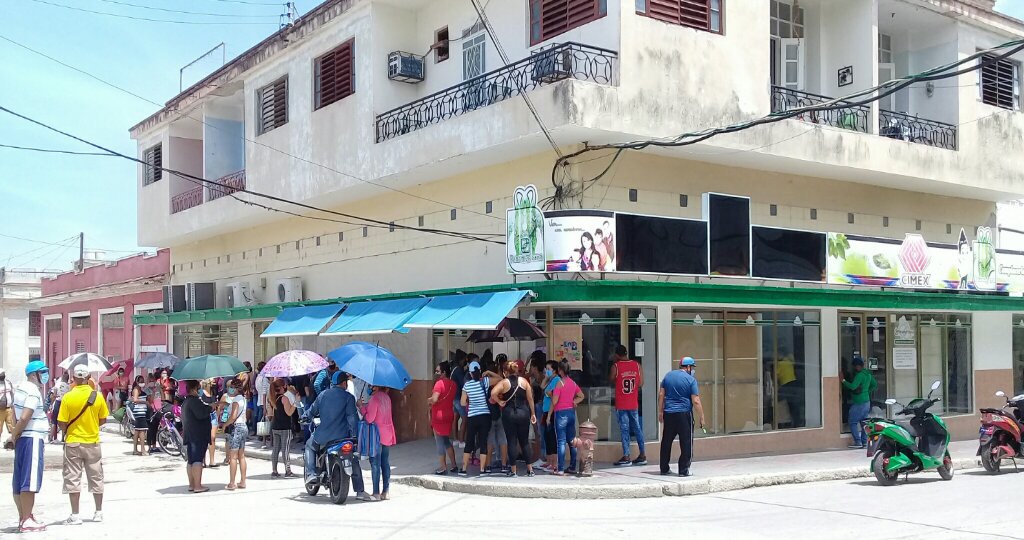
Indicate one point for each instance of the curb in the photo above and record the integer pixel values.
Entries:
(579, 488)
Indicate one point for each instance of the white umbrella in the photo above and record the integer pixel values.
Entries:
(95, 362)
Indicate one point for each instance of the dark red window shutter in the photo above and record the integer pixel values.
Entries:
(549, 18)
(691, 13)
(334, 77)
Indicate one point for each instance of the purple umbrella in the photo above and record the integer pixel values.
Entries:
(293, 364)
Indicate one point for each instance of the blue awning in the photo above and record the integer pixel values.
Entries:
(482, 311)
(302, 321)
(379, 317)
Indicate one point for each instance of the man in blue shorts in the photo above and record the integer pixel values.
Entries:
(29, 438)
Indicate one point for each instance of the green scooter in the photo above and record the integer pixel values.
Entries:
(903, 447)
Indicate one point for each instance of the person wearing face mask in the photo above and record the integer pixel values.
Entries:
(28, 438)
(237, 432)
(551, 380)
(442, 414)
(121, 387)
(6, 404)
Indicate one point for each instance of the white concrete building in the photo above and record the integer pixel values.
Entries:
(319, 113)
(20, 322)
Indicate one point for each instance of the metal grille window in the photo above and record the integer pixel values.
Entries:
(80, 322)
(334, 75)
(53, 325)
(999, 82)
(786, 21)
(154, 158)
(272, 106)
(34, 323)
(549, 18)
(700, 14)
(112, 320)
(79, 346)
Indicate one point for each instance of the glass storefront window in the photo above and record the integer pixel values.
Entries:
(1018, 355)
(586, 338)
(929, 348)
(642, 344)
(265, 348)
(758, 371)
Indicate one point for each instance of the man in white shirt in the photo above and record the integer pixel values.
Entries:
(6, 404)
(29, 438)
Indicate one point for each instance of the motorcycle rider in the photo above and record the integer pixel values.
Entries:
(339, 420)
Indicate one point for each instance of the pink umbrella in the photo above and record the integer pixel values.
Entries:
(293, 364)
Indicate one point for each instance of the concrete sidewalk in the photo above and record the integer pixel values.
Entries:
(413, 464)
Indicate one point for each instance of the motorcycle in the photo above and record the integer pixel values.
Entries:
(999, 437)
(333, 467)
(168, 437)
(903, 447)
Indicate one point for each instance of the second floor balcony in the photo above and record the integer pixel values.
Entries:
(559, 62)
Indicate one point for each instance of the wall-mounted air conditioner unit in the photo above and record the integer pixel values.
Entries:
(553, 64)
(174, 298)
(287, 290)
(406, 67)
(239, 295)
(200, 296)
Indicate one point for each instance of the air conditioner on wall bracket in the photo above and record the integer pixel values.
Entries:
(200, 296)
(288, 290)
(239, 295)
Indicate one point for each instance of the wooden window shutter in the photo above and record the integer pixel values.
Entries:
(154, 158)
(691, 13)
(997, 82)
(560, 16)
(272, 109)
(334, 77)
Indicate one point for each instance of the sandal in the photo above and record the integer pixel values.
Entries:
(241, 486)
(202, 490)
(230, 487)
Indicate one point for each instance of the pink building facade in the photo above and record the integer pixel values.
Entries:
(91, 311)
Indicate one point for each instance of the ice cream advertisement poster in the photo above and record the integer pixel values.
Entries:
(913, 263)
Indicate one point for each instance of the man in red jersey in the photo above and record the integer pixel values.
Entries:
(628, 378)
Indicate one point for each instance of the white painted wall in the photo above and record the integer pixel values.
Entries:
(223, 132)
(15, 341)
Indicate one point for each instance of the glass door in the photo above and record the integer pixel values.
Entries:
(865, 336)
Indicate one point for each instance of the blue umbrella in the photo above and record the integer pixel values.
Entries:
(371, 363)
(155, 360)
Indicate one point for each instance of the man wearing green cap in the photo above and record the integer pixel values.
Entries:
(678, 398)
(860, 400)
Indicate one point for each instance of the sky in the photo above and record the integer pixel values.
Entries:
(47, 199)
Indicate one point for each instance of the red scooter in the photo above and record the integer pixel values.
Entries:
(1000, 433)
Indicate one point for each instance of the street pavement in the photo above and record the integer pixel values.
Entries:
(146, 496)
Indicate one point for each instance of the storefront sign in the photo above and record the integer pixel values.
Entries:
(568, 342)
(579, 241)
(915, 264)
(904, 358)
(525, 240)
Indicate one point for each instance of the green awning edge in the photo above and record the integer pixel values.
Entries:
(614, 291)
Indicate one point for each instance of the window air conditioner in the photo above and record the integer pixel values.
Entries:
(239, 295)
(406, 67)
(200, 296)
(552, 65)
(288, 289)
(174, 298)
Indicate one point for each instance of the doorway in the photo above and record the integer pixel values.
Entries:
(864, 335)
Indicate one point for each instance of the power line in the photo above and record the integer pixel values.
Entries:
(875, 93)
(243, 137)
(203, 13)
(22, 238)
(122, 16)
(522, 90)
(53, 151)
(231, 192)
(251, 3)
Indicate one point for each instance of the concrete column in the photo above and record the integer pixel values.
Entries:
(246, 342)
(829, 342)
(664, 340)
(991, 356)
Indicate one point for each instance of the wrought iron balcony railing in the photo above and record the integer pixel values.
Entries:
(855, 117)
(188, 199)
(902, 126)
(558, 62)
(228, 184)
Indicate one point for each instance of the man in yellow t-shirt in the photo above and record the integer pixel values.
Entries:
(82, 411)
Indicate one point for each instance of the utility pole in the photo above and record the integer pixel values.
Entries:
(81, 251)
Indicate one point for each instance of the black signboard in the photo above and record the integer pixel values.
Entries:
(788, 254)
(661, 245)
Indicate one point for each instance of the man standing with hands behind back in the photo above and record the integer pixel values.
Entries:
(628, 378)
(82, 412)
(677, 400)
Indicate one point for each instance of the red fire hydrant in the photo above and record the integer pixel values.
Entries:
(584, 445)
